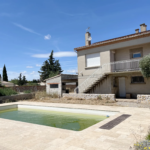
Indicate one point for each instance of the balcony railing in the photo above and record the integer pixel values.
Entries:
(119, 66)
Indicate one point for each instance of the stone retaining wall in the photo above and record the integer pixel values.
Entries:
(142, 98)
(30, 88)
(90, 96)
(15, 98)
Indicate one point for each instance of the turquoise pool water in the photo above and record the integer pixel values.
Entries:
(64, 120)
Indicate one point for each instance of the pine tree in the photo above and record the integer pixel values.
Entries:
(51, 62)
(50, 68)
(5, 77)
(44, 73)
(57, 66)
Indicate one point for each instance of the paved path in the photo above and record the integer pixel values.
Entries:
(15, 135)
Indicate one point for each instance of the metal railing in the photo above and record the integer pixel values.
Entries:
(118, 66)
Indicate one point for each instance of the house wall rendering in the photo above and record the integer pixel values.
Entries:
(128, 51)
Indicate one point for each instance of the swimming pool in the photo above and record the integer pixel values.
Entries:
(58, 117)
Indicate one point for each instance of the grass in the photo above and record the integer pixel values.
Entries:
(27, 91)
(148, 135)
(99, 97)
(41, 96)
(7, 92)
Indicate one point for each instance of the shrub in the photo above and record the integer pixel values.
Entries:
(43, 94)
(145, 66)
(99, 97)
(148, 135)
(141, 142)
(27, 91)
(7, 92)
(54, 95)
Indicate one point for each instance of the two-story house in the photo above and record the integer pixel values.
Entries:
(112, 66)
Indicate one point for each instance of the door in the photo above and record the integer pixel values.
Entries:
(122, 87)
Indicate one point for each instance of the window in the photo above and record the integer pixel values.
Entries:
(54, 86)
(137, 79)
(93, 60)
(136, 52)
(136, 55)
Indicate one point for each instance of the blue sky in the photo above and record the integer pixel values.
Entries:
(29, 30)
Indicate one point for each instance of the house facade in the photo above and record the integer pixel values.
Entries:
(112, 66)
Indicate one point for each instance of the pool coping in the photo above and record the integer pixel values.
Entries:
(109, 118)
(119, 137)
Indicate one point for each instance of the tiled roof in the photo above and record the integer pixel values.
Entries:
(115, 40)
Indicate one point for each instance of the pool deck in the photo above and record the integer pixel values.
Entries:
(15, 135)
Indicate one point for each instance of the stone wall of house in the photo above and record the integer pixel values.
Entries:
(90, 96)
(29, 88)
(15, 98)
(143, 98)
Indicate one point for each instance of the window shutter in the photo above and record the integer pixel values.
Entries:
(93, 60)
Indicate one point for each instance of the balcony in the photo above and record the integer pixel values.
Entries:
(122, 66)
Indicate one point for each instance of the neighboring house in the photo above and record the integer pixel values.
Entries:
(112, 66)
(42, 83)
(7, 84)
(57, 84)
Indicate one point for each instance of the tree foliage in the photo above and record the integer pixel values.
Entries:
(50, 68)
(34, 82)
(5, 77)
(0, 79)
(15, 81)
(21, 80)
(145, 66)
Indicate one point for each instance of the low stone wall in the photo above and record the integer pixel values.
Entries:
(15, 98)
(143, 98)
(30, 88)
(90, 96)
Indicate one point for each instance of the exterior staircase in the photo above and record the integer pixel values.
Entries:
(92, 86)
(102, 72)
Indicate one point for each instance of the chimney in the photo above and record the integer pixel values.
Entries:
(136, 30)
(143, 27)
(87, 38)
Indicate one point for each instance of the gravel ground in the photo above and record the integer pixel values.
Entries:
(133, 104)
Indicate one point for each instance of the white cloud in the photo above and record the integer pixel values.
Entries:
(72, 71)
(25, 28)
(47, 37)
(33, 72)
(56, 54)
(29, 75)
(38, 65)
(24, 72)
(29, 67)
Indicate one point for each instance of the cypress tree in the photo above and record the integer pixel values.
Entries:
(5, 77)
(0, 79)
(24, 81)
(20, 79)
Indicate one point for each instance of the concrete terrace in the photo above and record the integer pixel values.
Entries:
(16, 135)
